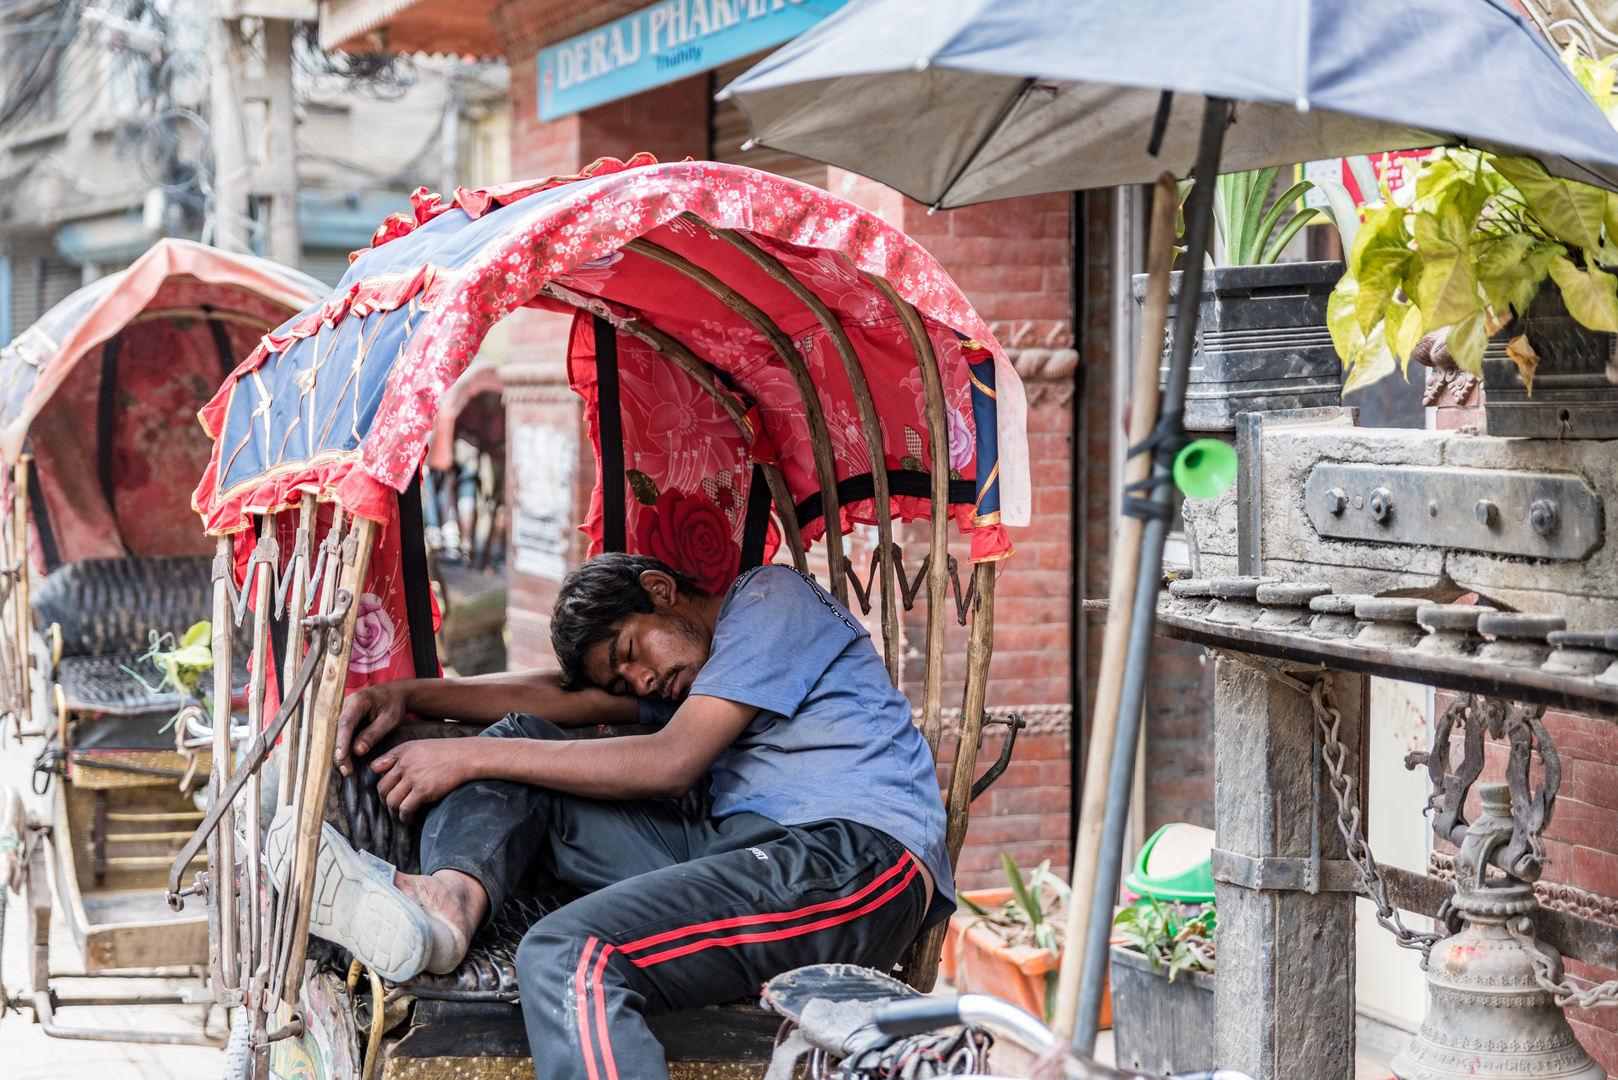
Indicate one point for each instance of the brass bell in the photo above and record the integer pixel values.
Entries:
(1487, 1016)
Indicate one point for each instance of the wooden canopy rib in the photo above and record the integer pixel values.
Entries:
(682, 357)
(870, 427)
(820, 437)
(932, 699)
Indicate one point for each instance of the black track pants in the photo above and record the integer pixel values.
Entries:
(682, 910)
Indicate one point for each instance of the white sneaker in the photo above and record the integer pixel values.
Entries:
(356, 903)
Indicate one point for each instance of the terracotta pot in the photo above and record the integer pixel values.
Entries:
(977, 960)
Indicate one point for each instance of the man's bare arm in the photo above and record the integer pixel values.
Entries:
(665, 764)
(371, 713)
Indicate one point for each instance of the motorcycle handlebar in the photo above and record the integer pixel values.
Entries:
(912, 1016)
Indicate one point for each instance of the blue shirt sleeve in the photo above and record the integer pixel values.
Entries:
(776, 636)
(655, 712)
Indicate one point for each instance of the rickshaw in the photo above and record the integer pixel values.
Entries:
(102, 558)
(762, 366)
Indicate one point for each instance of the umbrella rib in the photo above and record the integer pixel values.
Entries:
(820, 437)
(676, 351)
(870, 426)
(989, 133)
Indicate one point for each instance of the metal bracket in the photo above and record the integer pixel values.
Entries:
(1280, 874)
(1505, 511)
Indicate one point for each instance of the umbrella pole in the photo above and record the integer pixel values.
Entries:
(1168, 434)
(1125, 568)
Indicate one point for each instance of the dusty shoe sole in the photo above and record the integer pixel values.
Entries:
(356, 903)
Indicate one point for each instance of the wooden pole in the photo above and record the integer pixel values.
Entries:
(670, 347)
(813, 414)
(318, 766)
(958, 804)
(1125, 572)
(932, 693)
(870, 428)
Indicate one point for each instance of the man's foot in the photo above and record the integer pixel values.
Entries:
(450, 913)
(356, 903)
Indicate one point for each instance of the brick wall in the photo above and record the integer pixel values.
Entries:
(1581, 843)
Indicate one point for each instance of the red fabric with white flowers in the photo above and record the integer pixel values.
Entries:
(577, 244)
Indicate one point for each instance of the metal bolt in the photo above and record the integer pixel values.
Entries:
(1487, 512)
(1381, 505)
(1542, 516)
(1336, 499)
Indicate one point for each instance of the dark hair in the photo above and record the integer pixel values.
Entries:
(595, 599)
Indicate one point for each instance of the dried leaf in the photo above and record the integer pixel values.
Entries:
(1526, 359)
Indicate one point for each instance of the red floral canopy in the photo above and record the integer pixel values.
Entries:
(704, 341)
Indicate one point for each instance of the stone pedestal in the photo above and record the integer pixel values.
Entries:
(1284, 990)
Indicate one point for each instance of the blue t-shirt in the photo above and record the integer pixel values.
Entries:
(832, 738)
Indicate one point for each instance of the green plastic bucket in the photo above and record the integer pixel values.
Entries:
(1179, 876)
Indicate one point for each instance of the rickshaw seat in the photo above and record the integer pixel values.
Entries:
(110, 605)
(106, 609)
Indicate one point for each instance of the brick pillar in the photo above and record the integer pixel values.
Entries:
(551, 465)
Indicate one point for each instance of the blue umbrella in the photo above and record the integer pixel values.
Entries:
(955, 102)
(960, 101)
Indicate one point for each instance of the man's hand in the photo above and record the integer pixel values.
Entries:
(368, 714)
(421, 772)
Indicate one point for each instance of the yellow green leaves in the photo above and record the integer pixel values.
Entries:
(1572, 213)
(1466, 340)
(1591, 294)
(1403, 326)
(1379, 262)
(1366, 356)
(1447, 287)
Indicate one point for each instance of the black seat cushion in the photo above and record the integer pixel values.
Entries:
(104, 684)
(111, 605)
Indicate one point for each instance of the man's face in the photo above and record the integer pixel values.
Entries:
(656, 655)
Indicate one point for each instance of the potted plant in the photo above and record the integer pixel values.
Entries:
(1162, 988)
(1008, 942)
(1501, 266)
(1262, 342)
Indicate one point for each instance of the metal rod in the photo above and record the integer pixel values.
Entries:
(1199, 221)
(47, 1020)
(222, 841)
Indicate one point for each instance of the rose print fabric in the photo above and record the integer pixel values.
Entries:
(342, 397)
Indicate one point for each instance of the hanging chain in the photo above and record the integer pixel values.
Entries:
(1554, 983)
(1368, 878)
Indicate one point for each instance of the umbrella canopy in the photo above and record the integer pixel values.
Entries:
(955, 102)
(703, 280)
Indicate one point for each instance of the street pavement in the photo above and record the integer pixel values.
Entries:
(27, 1054)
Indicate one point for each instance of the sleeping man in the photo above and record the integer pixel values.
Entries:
(783, 812)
